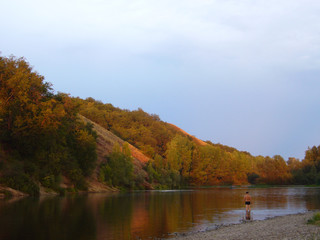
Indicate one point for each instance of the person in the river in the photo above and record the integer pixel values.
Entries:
(247, 201)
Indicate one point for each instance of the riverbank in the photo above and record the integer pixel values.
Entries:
(6, 192)
(285, 227)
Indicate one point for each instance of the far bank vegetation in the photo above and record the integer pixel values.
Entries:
(43, 142)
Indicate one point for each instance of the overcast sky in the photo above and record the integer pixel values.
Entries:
(244, 73)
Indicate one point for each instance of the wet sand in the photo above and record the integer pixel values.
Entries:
(285, 227)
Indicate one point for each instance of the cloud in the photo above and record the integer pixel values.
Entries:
(242, 32)
(247, 70)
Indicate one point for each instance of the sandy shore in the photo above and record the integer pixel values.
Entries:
(284, 227)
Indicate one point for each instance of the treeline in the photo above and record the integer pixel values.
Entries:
(187, 163)
(42, 141)
(41, 138)
(306, 171)
(192, 164)
(145, 131)
(176, 159)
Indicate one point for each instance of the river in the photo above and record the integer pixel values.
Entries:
(145, 214)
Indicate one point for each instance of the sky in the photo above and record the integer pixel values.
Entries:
(243, 73)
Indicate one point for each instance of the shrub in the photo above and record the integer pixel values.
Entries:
(117, 170)
(252, 178)
(21, 182)
(78, 179)
(48, 181)
(315, 219)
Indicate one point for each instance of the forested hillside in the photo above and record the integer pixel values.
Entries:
(40, 135)
(45, 142)
(178, 158)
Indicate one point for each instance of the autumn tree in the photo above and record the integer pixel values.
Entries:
(308, 170)
(41, 129)
(179, 155)
(145, 131)
(274, 170)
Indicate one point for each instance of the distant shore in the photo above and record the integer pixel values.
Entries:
(287, 227)
(6, 192)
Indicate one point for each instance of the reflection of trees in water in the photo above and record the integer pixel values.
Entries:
(49, 219)
(156, 213)
(127, 216)
(143, 214)
(284, 198)
(113, 215)
(312, 198)
(270, 198)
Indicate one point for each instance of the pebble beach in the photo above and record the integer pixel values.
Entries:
(284, 227)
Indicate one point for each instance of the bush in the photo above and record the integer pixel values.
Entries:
(252, 178)
(117, 170)
(315, 219)
(51, 181)
(23, 183)
(78, 179)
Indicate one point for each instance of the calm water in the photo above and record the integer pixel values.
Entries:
(144, 215)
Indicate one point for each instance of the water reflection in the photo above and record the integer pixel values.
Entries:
(47, 219)
(140, 215)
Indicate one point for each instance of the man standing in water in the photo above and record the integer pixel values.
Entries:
(247, 201)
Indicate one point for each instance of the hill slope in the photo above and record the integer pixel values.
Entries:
(106, 141)
(43, 142)
(196, 140)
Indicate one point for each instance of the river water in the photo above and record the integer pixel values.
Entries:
(144, 215)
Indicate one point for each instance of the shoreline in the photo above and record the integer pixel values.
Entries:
(292, 226)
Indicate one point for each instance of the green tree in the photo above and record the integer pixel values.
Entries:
(118, 168)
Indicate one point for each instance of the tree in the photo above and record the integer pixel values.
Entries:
(41, 129)
(118, 168)
(209, 167)
(274, 170)
(179, 155)
(312, 157)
